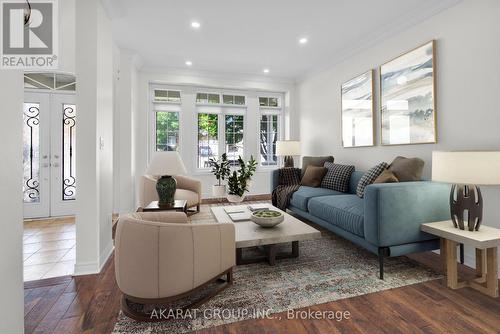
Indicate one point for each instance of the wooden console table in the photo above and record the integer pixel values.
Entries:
(486, 242)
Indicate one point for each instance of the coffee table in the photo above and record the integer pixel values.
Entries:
(248, 234)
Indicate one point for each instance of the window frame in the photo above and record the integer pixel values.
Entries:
(167, 106)
(221, 111)
(266, 110)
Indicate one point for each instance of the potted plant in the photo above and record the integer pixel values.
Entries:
(238, 181)
(220, 168)
(249, 170)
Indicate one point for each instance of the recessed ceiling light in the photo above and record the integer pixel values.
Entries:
(189, 62)
(195, 24)
(266, 70)
(303, 40)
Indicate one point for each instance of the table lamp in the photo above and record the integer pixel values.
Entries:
(288, 148)
(466, 170)
(166, 165)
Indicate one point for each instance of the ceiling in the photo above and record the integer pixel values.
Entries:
(248, 36)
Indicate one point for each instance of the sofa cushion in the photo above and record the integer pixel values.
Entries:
(314, 161)
(338, 177)
(344, 211)
(304, 194)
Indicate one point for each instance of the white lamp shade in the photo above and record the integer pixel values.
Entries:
(287, 147)
(472, 167)
(166, 163)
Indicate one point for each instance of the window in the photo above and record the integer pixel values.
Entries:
(233, 99)
(162, 95)
(234, 126)
(208, 98)
(208, 138)
(268, 102)
(52, 81)
(167, 131)
(268, 138)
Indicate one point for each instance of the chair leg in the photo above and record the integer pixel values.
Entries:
(198, 208)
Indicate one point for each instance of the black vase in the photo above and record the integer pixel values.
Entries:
(165, 186)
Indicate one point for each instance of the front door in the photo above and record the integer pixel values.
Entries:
(49, 125)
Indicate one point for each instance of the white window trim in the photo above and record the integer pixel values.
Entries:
(221, 131)
(167, 106)
(264, 110)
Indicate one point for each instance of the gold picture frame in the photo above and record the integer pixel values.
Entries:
(357, 111)
(407, 97)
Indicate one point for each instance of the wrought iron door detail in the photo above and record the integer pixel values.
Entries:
(31, 157)
(68, 151)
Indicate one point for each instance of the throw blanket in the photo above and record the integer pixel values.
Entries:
(288, 183)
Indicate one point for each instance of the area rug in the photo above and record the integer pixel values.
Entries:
(327, 269)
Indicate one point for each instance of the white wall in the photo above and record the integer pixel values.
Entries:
(11, 201)
(124, 138)
(468, 81)
(188, 130)
(67, 36)
(94, 74)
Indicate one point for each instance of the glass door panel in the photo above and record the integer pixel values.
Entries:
(36, 185)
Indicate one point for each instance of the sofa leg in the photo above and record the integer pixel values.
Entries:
(382, 252)
(381, 263)
(462, 253)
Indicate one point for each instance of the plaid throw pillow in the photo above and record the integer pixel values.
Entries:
(370, 177)
(337, 177)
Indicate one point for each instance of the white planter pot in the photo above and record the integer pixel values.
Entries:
(235, 198)
(219, 191)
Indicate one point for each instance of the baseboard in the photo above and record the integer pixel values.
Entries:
(106, 254)
(94, 267)
(86, 268)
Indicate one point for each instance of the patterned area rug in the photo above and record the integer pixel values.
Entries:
(327, 269)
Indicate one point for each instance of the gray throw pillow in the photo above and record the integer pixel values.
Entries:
(314, 161)
(369, 177)
(407, 169)
(337, 177)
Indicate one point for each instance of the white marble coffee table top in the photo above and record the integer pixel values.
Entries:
(249, 234)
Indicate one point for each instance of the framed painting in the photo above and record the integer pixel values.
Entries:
(357, 111)
(407, 98)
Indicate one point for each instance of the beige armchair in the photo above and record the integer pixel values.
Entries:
(160, 257)
(187, 188)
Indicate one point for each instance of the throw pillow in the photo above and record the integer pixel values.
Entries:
(313, 176)
(369, 177)
(314, 161)
(386, 177)
(338, 177)
(407, 169)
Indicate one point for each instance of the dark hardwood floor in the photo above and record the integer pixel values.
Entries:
(90, 304)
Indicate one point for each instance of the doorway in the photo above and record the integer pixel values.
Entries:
(49, 175)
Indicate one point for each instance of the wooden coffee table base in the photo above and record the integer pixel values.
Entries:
(486, 269)
(270, 254)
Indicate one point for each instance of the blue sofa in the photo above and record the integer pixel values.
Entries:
(385, 222)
